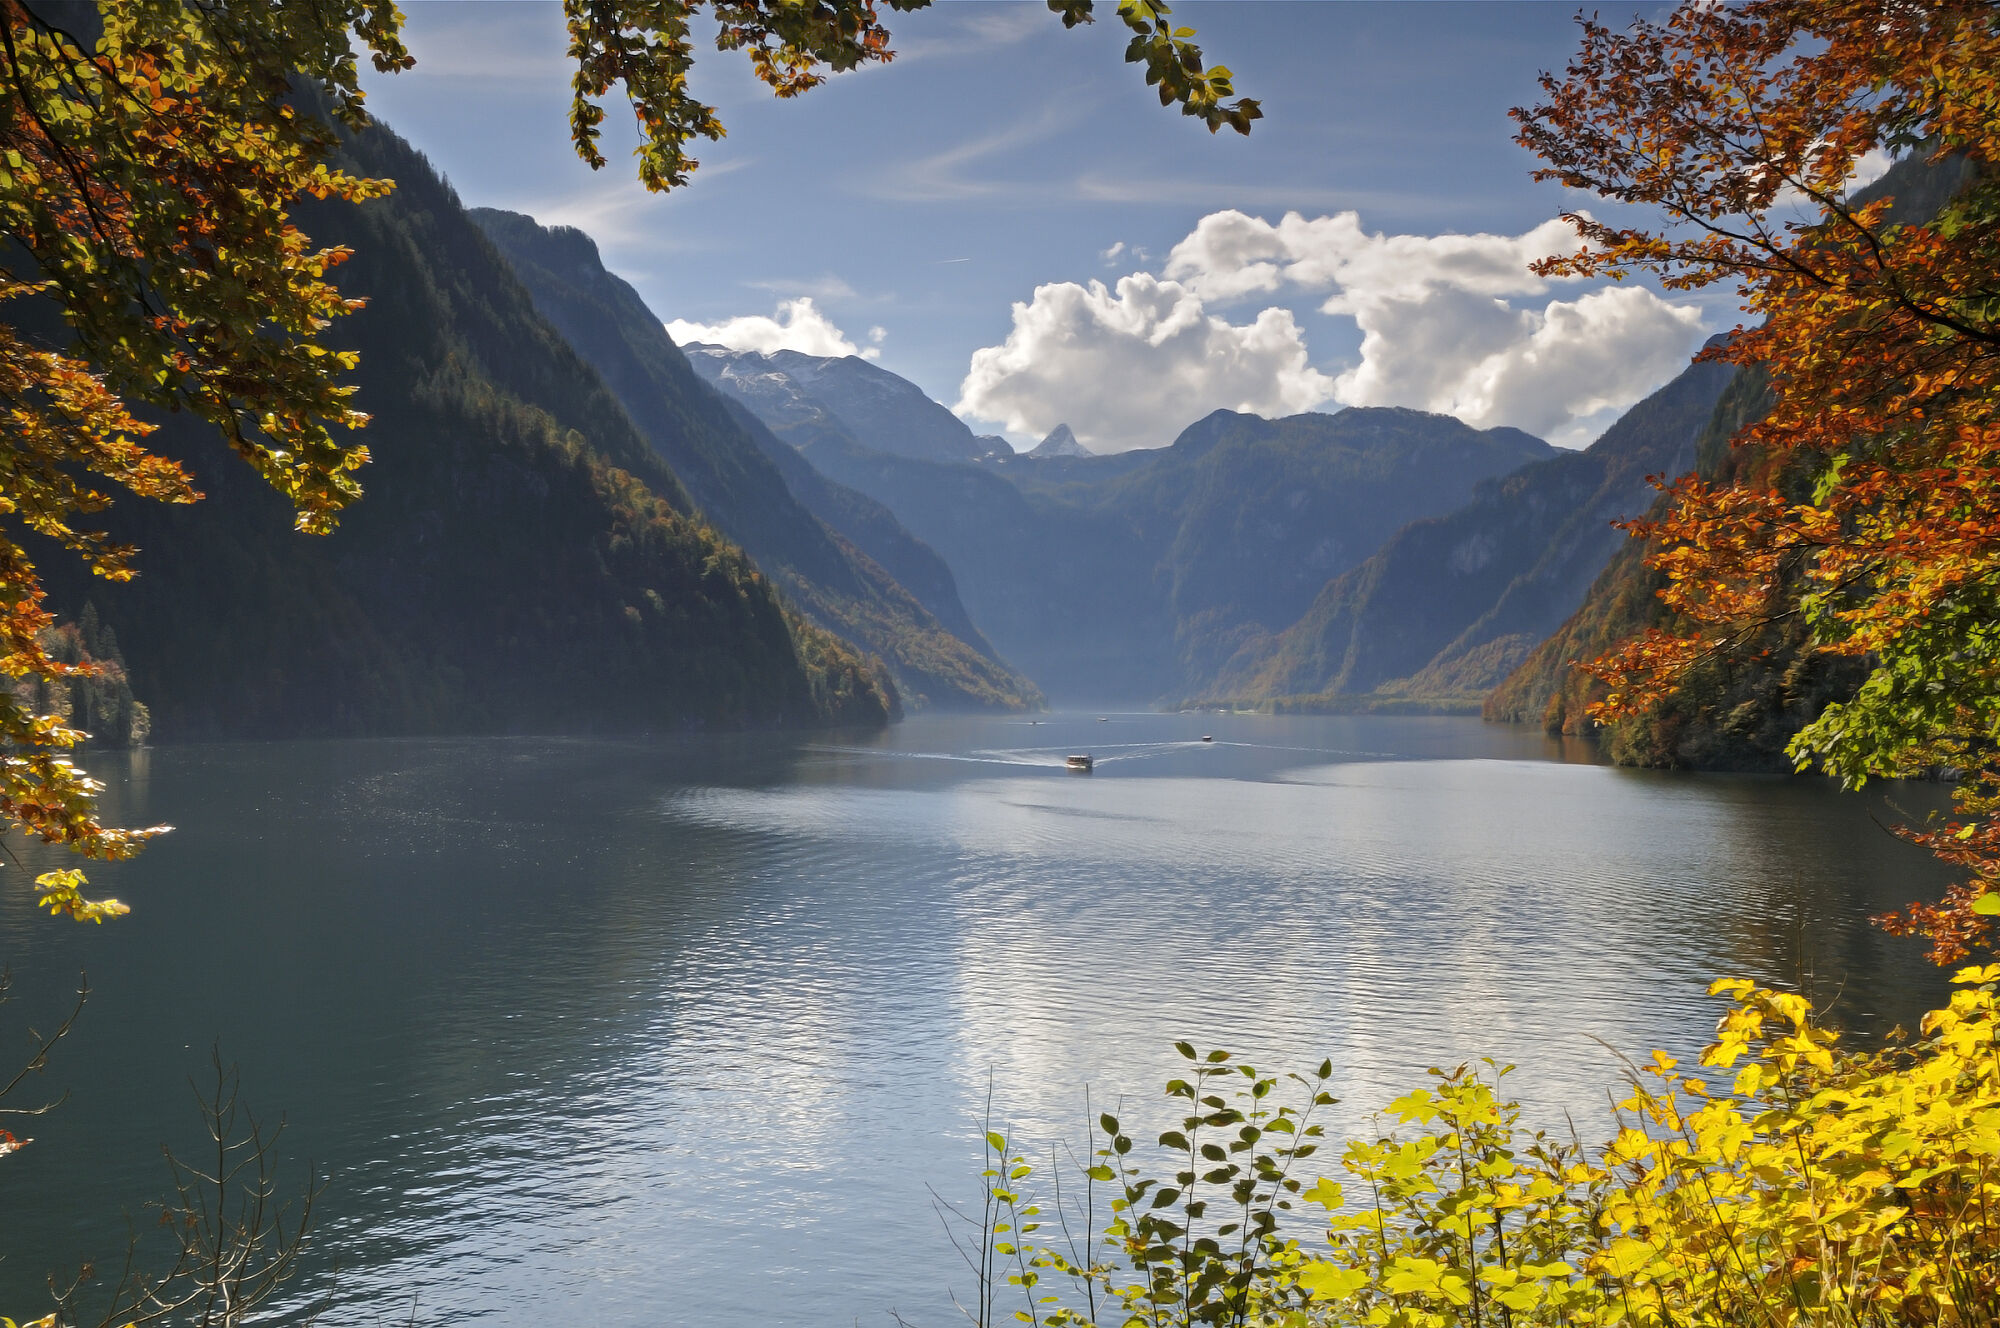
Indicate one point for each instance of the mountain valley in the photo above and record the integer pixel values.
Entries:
(1135, 577)
(1371, 559)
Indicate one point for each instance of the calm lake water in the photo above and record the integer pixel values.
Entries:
(682, 1033)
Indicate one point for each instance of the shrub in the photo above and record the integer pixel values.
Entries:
(1820, 1188)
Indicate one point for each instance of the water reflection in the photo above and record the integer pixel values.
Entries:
(680, 1033)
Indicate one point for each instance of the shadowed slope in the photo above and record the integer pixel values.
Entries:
(737, 480)
(522, 561)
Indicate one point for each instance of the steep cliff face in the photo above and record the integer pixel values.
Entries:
(1450, 604)
(523, 560)
(758, 492)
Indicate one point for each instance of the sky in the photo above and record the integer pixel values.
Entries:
(1006, 216)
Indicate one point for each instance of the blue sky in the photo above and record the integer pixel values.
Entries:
(949, 213)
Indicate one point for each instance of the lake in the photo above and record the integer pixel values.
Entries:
(686, 1032)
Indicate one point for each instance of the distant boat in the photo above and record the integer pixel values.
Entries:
(1083, 763)
(1104, 719)
(1207, 737)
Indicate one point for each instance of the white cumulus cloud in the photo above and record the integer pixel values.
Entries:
(797, 325)
(1229, 255)
(1458, 324)
(1132, 365)
(1445, 320)
(1869, 167)
(1564, 372)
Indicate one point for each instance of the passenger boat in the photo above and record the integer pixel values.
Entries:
(1083, 763)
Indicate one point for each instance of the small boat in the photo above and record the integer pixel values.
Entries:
(1083, 763)
(1208, 737)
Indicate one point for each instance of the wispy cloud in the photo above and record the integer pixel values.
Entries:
(945, 177)
(510, 43)
(617, 211)
(954, 31)
(827, 287)
(1183, 191)
(613, 216)
(949, 176)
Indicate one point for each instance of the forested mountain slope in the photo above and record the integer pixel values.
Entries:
(523, 560)
(740, 482)
(1732, 714)
(1449, 605)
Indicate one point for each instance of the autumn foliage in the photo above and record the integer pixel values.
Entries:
(149, 162)
(647, 48)
(1788, 1181)
(1866, 504)
(145, 177)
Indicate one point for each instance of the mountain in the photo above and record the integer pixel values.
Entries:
(874, 530)
(1060, 443)
(1133, 577)
(523, 559)
(1446, 608)
(1734, 713)
(757, 491)
(1730, 714)
(809, 396)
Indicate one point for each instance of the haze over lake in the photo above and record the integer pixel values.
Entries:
(681, 1033)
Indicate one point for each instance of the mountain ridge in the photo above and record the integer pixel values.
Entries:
(521, 560)
(800, 393)
(1446, 607)
(1132, 577)
(741, 482)
(1060, 442)
(1734, 713)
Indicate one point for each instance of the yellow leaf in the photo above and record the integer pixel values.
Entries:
(1329, 1282)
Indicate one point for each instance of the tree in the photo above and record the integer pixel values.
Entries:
(1865, 506)
(150, 153)
(793, 44)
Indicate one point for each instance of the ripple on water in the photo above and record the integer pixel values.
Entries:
(684, 1034)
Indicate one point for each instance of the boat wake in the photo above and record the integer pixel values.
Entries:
(1047, 758)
